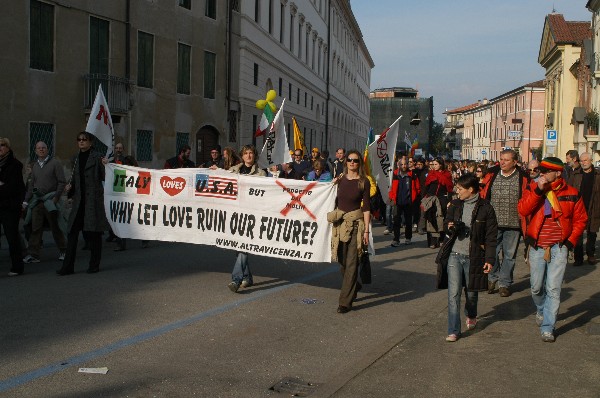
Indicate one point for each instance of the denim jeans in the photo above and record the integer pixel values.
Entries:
(241, 269)
(458, 271)
(546, 280)
(508, 243)
(389, 218)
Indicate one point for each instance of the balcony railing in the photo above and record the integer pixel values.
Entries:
(116, 90)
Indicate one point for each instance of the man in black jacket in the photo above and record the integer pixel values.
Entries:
(12, 192)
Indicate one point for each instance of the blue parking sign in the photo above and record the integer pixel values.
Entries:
(551, 135)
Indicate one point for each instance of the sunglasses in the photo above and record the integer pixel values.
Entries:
(82, 139)
(2, 144)
(297, 154)
(351, 160)
(534, 170)
(478, 171)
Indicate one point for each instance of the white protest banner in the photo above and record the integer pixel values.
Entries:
(381, 154)
(265, 216)
(276, 149)
(100, 122)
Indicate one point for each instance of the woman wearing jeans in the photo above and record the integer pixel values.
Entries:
(472, 229)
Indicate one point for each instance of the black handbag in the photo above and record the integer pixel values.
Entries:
(365, 269)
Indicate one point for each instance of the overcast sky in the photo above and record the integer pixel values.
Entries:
(457, 51)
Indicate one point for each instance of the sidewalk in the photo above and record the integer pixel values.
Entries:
(504, 356)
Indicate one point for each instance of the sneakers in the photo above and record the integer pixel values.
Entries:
(504, 292)
(387, 232)
(395, 243)
(246, 284)
(30, 259)
(11, 273)
(407, 241)
(61, 256)
(233, 286)
(471, 323)
(451, 338)
(539, 319)
(547, 337)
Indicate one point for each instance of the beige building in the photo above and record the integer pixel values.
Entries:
(312, 54)
(165, 83)
(559, 55)
(179, 72)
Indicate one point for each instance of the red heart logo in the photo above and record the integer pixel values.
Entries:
(172, 186)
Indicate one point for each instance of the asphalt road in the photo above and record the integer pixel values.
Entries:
(164, 323)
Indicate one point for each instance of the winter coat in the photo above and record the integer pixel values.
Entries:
(255, 170)
(95, 216)
(572, 218)
(482, 245)
(593, 211)
(12, 189)
(415, 187)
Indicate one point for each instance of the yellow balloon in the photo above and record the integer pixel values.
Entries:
(272, 106)
(271, 95)
(260, 104)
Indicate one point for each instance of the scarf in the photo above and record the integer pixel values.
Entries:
(551, 202)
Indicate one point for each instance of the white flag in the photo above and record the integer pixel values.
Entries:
(100, 123)
(381, 154)
(276, 149)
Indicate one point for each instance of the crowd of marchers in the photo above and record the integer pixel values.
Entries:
(475, 215)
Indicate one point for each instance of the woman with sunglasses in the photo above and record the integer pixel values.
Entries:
(351, 225)
(12, 193)
(86, 190)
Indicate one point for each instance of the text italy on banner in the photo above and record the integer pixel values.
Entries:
(100, 123)
(276, 149)
(265, 121)
(298, 137)
(266, 216)
(381, 154)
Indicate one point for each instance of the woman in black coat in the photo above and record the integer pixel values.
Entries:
(12, 193)
(469, 252)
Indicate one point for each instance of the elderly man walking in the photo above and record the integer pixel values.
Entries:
(47, 185)
(504, 186)
(586, 180)
(557, 218)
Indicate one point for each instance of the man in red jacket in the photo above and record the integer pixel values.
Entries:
(557, 219)
(403, 194)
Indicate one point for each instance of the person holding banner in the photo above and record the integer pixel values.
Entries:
(351, 224)
(86, 189)
(182, 160)
(319, 172)
(230, 158)
(241, 275)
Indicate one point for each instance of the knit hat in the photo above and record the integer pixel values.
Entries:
(551, 163)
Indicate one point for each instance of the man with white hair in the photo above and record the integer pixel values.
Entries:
(586, 180)
(47, 185)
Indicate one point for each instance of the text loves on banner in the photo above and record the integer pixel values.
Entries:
(259, 215)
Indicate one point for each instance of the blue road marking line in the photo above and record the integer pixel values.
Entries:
(24, 378)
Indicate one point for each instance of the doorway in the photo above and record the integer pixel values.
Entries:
(206, 138)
